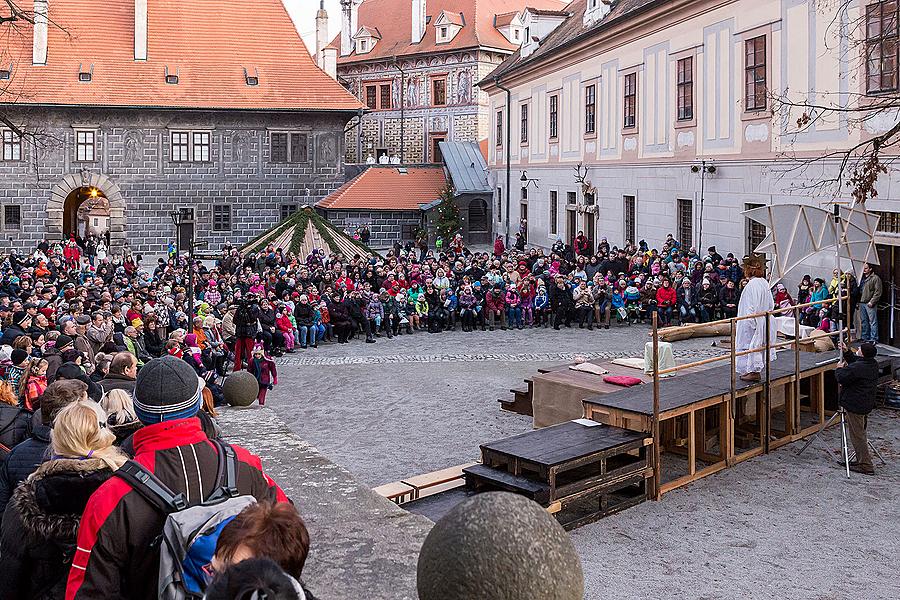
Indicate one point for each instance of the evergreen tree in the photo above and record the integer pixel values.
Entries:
(448, 222)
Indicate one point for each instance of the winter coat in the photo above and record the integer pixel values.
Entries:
(582, 297)
(858, 382)
(265, 372)
(54, 360)
(118, 382)
(14, 425)
(23, 460)
(561, 298)
(666, 297)
(495, 302)
(40, 525)
(116, 556)
(10, 334)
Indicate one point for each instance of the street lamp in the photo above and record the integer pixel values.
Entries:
(703, 168)
(526, 180)
(180, 218)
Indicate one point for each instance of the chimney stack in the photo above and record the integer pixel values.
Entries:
(418, 20)
(349, 25)
(140, 29)
(321, 34)
(39, 49)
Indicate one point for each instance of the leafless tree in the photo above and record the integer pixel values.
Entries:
(860, 42)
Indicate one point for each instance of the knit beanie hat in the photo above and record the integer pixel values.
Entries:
(20, 316)
(18, 356)
(63, 341)
(167, 389)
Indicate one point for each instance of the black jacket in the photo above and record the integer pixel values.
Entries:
(303, 313)
(114, 381)
(245, 321)
(23, 460)
(10, 334)
(857, 381)
(561, 298)
(14, 426)
(37, 542)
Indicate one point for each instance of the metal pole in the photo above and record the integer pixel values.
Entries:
(655, 425)
(732, 416)
(839, 230)
(796, 409)
(702, 190)
(845, 450)
(191, 283)
(767, 404)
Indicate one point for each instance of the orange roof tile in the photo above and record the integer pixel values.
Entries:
(208, 43)
(395, 25)
(388, 188)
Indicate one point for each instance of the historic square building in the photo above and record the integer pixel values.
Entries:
(638, 118)
(414, 64)
(203, 105)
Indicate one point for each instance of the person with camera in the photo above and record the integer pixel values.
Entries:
(857, 374)
(246, 328)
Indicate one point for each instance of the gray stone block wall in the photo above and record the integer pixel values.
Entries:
(385, 226)
(133, 162)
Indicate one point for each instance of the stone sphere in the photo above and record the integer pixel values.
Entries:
(240, 388)
(499, 546)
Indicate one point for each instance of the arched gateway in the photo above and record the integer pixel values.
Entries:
(66, 197)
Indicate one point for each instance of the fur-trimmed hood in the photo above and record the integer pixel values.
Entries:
(50, 502)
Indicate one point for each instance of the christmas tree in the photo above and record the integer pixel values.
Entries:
(448, 222)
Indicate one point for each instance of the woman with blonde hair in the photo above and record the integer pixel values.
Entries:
(121, 418)
(38, 536)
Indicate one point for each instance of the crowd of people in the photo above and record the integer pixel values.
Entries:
(110, 368)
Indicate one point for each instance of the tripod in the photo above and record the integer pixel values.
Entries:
(840, 415)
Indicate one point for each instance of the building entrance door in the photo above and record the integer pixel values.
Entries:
(571, 225)
(86, 212)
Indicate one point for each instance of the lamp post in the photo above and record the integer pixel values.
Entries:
(180, 218)
(703, 168)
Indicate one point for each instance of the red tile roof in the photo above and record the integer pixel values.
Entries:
(395, 24)
(388, 188)
(208, 43)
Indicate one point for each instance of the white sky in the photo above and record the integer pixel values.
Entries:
(304, 14)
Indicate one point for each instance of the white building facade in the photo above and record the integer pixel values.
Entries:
(619, 113)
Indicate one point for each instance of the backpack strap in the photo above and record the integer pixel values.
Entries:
(150, 487)
(226, 476)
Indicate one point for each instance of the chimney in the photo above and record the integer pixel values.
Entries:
(329, 62)
(39, 50)
(140, 29)
(349, 25)
(418, 20)
(321, 34)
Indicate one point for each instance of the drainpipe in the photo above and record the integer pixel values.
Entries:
(402, 111)
(508, 150)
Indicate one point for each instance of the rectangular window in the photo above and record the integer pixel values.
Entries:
(554, 212)
(571, 198)
(180, 146)
(86, 146)
(12, 145)
(756, 232)
(12, 217)
(630, 212)
(525, 194)
(881, 46)
(221, 217)
(201, 146)
(590, 109)
(439, 92)
(499, 127)
(523, 129)
(755, 74)
(630, 97)
(385, 97)
(288, 209)
(289, 147)
(372, 96)
(589, 199)
(554, 117)
(889, 222)
(279, 151)
(499, 204)
(685, 230)
(685, 88)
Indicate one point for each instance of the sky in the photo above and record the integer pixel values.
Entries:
(304, 14)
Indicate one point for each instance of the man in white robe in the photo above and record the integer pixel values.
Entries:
(751, 333)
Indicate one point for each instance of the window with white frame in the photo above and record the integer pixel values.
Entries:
(180, 146)
(191, 146)
(201, 144)
(12, 145)
(86, 145)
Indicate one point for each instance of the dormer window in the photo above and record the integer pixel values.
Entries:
(251, 79)
(447, 25)
(5, 74)
(171, 78)
(85, 75)
(517, 34)
(443, 32)
(363, 45)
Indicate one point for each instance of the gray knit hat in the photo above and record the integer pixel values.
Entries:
(167, 389)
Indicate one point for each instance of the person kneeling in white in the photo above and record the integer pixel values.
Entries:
(751, 333)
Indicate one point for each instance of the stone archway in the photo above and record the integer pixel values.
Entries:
(75, 181)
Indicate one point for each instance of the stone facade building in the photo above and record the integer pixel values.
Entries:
(209, 108)
(414, 64)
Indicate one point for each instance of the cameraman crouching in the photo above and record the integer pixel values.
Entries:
(858, 374)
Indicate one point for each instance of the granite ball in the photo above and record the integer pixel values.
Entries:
(240, 388)
(499, 546)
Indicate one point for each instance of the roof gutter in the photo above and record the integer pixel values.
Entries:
(508, 149)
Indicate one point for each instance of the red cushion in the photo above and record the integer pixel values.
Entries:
(623, 380)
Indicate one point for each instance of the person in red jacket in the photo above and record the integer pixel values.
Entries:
(665, 302)
(499, 247)
(117, 553)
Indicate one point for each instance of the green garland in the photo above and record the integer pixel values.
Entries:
(300, 221)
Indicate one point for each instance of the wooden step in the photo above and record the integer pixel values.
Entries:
(480, 477)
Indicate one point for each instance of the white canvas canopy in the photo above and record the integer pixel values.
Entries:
(796, 232)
